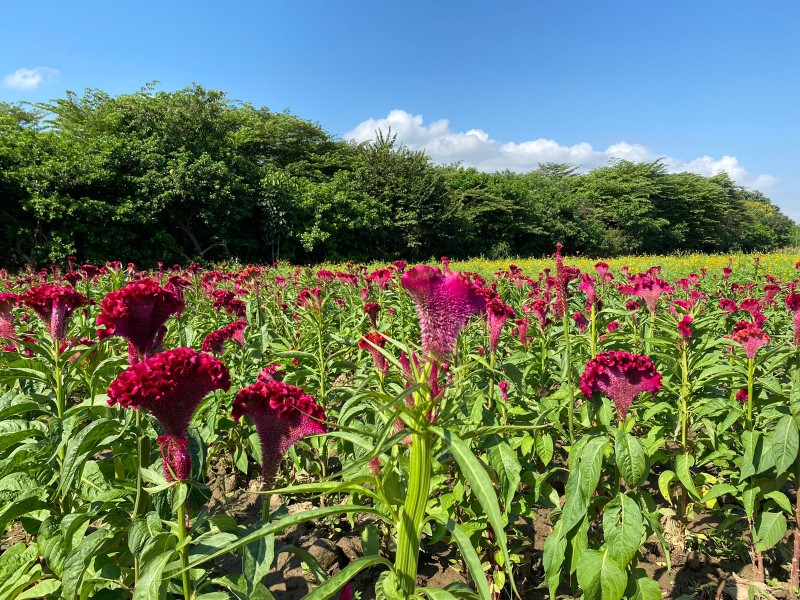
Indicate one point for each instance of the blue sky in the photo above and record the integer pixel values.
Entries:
(707, 85)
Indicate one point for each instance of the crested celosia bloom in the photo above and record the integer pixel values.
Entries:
(170, 386)
(793, 304)
(650, 289)
(750, 336)
(580, 321)
(138, 312)
(283, 414)
(375, 342)
(621, 376)
(215, 341)
(497, 313)
(7, 303)
(522, 330)
(602, 269)
(381, 277)
(372, 308)
(53, 304)
(444, 304)
(683, 327)
(728, 305)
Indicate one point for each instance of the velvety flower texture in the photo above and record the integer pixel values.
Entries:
(138, 312)
(282, 413)
(53, 304)
(649, 289)
(683, 327)
(372, 342)
(215, 341)
(372, 309)
(497, 313)
(621, 376)
(444, 305)
(750, 336)
(170, 386)
(793, 305)
(7, 303)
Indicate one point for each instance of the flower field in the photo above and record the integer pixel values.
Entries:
(550, 428)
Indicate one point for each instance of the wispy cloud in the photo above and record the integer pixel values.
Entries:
(476, 148)
(29, 79)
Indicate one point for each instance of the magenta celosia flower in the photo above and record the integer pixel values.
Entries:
(580, 321)
(750, 336)
(650, 289)
(587, 286)
(540, 308)
(372, 308)
(7, 303)
(564, 275)
(170, 386)
(215, 341)
(728, 305)
(602, 269)
(53, 304)
(683, 327)
(138, 312)
(742, 396)
(444, 304)
(381, 277)
(793, 304)
(497, 313)
(374, 342)
(177, 460)
(283, 414)
(400, 265)
(612, 326)
(503, 385)
(522, 330)
(621, 376)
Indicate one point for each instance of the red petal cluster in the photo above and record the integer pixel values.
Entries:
(621, 376)
(372, 341)
(170, 386)
(215, 341)
(750, 336)
(176, 457)
(793, 305)
(372, 308)
(53, 304)
(137, 312)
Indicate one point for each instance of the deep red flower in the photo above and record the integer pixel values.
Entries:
(728, 305)
(138, 312)
(580, 321)
(522, 330)
(650, 289)
(53, 304)
(176, 457)
(503, 385)
(621, 376)
(381, 277)
(8, 301)
(683, 327)
(374, 341)
(750, 336)
(170, 386)
(613, 326)
(215, 341)
(283, 414)
(742, 396)
(444, 304)
(372, 308)
(793, 304)
(564, 275)
(497, 313)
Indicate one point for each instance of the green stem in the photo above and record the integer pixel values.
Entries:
(142, 454)
(413, 514)
(593, 332)
(184, 551)
(491, 380)
(61, 403)
(684, 396)
(751, 367)
(568, 380)
(321, 358)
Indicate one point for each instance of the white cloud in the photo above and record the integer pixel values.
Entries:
(29, 79)
(475, 148)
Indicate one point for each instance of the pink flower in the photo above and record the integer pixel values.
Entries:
(375, 342)
(381, 277)
(587, 285)
(750, 336)
(215, 341)
(621, 376)
(564, 275)
(728, 305)
(602, 272)
(177, 460)
(497, 313)
(444, 304)
(7, 303)
(683, 327)
(581, 321)
(282, 413)
(170, 386)
(372, 308)
(742, 396)
(650, 289)
(138, 312)
(793, 304)
(522, 330)
(503, 385)
(612, 326)
(53, 304)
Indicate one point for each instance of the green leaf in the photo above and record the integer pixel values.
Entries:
(631, 458)
(781, 500)
(623, 526)
(769, 529)
(543, 443)
(504, 460)
(40, 590)
(77, 562)
(257, 561)
(664, 480)
(641, 587)
(555, 548)
(682, 464)
(370, 541)
(469, 555)
(483, 489)
(87, 442)
(338, 581)
(152, 584)
(600, 577)
(785, 442)
(584, 475)
(718, 490)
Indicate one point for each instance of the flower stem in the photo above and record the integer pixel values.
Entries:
(751, 367)
(413, 514)
(593, 332)
(568, 380)
(184, 551)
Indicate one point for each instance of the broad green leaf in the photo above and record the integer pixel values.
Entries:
(623, 526)
(257, 560)
(543, 443)
(152, 584)
(87, 442)
(785, 442)
(504, 461)
(78, 560)
(584, 475)
(555, 548)
(642, 587)
(370, 541)
(718, 490)
(769, 529)
(483, 489)
(682, 464)
(337, 582)
(664, 480)
(40, 590)
(631, 459)
(600, 577)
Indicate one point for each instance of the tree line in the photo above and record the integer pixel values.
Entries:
(190, 174)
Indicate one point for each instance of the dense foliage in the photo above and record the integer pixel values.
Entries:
(191, 174)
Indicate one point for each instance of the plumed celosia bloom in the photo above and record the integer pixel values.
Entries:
(8, 301)
(444, 304)
(375, 342)
(170, 386)
(793, 305)
(621, 376)
(282, 413)
(138, 312)
(564, 275)
(372, 309)
(53, 304)
(497, 313)
(215, 341)
(750, 336)
(683, 327)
